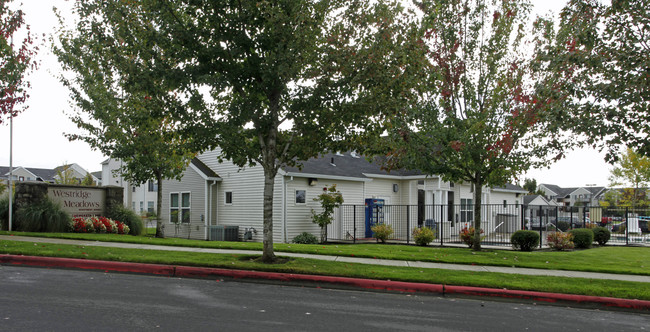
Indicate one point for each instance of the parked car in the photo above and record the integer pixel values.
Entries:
(574, 221)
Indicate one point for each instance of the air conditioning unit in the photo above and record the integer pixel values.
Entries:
(224, 233)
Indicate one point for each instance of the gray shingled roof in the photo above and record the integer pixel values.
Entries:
(564, 192)
(207, 171)
(345, 165)
(44, 174)
(352, 165)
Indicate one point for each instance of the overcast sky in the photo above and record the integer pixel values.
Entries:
(38, 133)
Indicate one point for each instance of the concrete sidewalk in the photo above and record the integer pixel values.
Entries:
(427, 265)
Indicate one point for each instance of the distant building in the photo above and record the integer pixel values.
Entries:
(141, 198)
(573, 196)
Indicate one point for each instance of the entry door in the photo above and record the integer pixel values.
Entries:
(420, 207)
(450, 208)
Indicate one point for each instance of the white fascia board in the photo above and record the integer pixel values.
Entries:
(400, 177)
(203, 176)
(509, 190)
(327, 177)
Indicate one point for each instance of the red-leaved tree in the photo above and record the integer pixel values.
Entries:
(15, 62)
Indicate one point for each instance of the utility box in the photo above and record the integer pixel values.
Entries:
(223, 233)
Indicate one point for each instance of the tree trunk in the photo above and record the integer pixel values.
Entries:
(478, 191)
(160, 228)
(268, 256)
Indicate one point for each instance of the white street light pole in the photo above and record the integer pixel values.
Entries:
(11, 166)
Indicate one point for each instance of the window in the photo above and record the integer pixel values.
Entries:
(150, 206)
(179, 207)
(133, 188)
(466, 210)
(21, 178)
(152, 186)
(133, 206)
(505, 203)
(141, 206)
(228, 197)
(300, 196)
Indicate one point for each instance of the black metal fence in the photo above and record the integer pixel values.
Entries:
(498, 222)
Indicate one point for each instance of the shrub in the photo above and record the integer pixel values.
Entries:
(560, 241)
(305, 238)
(4, 212)
(601, 235)
(467, 235)
(129, 217)
(563, 225)
(43, 216)
(423, 236)
(382, 232)
(525, 240)
(582, 237)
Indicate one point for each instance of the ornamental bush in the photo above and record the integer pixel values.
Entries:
(601, 235)
(129, 217)
(525, 240)
(98, 225)
(582, 237)
(382, 232)
(43, 216)
(305, 238)
(560, 240)
(423, 236)
(467, 235)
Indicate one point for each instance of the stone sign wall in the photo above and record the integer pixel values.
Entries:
(78, 201)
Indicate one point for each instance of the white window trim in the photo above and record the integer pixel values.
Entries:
(180, 207)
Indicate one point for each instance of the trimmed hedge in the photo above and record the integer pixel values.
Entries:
(601, 235)
(582, 237)
(305, 238)
(524, 240)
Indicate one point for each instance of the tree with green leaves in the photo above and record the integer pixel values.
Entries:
(88, 180)
(488, 109)
(287, 80)
(15, 63)
(607, 45)
(330, 199)
(129, 95)
(65, 175)
(632, 170)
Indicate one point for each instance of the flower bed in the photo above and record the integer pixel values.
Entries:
(99, 225)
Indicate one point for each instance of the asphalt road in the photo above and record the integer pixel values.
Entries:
(67, 300)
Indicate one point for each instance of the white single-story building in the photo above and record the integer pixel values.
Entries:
(211, 195)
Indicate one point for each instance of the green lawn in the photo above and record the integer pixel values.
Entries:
(607, 259)
(596, 287)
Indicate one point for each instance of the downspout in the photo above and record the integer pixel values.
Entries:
(284, 209)
(206, 211)
(209, 205)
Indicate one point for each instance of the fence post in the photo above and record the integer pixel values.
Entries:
(354, 223)
(541, 221)
(441, 223)
(408, 225)
(627, 228)
(523, 219)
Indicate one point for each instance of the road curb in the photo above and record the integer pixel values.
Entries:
(326, 281)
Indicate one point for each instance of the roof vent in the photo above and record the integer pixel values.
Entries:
(332, 162)
(354, 154)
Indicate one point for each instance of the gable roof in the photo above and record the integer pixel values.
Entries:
(202, 168)
(566, 192)
(348, 165)
(41, 174)
(509, 187)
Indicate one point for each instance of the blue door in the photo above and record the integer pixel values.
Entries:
(374, 214)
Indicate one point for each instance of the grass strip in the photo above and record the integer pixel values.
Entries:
(607, 259)
(580, 286)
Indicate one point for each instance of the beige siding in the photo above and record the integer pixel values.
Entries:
(194, 184)
(299, 215)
